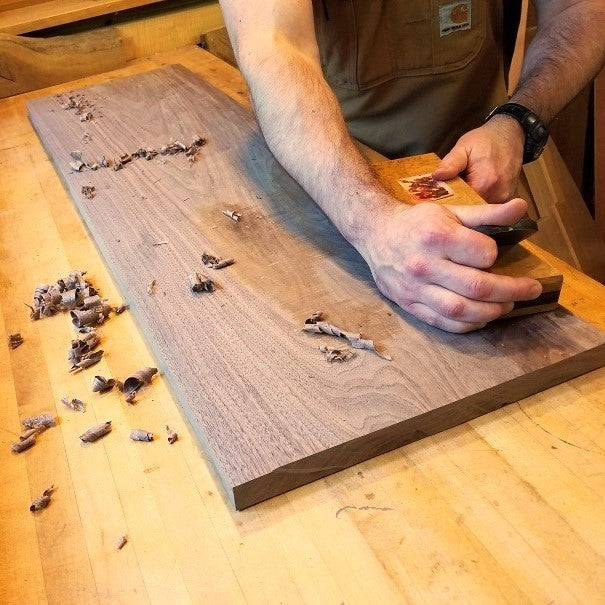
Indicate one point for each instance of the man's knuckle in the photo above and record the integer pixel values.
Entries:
(434, 237)
(417, 266)
(453, 309)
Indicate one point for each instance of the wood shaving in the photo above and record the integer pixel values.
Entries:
(41, 421)
(88, 191)
(133, 383)
(82, 346)
(315, 324)
(43, 501)
(151, 287)
(121, 308)
(24, 444)
(121, 542)
(172, 436)
(234, 216)
(100, 384)
(28, 433)
(85, 117)
(76, 155)
(199, 282)
(77, 166)
(89, 317)
(15, 340)
(86, 137)
(96, 432)
(215, 262)
(73, 403)
(337, 354)
(87, 360)
(141, 435)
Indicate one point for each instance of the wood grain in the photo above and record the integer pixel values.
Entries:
(267, 407)
(515, 261)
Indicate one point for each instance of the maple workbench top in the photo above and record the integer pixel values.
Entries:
(506, 508)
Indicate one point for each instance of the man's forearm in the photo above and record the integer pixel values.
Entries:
(566, 53)
(307, 134)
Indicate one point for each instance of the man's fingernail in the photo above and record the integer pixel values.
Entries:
(536, 290)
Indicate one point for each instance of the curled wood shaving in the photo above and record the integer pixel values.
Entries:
(85, 117)
(73, 403)
(172, 436)
(234, 216)
(87, 360)
(43, 501)
(201, 283)
(133, 383)
(91, 302)
(86, 137)
(315, 324)
(76, 155)
(100, 384)
(120, 309)
(215, 262)
(82, 346)
(141, 435)
(337, 354)
(41, 421)
(121, 542)
(89, 317)
(96, 432)
(24, 444)
(15, 340)
(28, 433)
(151, 286)
(77, 166)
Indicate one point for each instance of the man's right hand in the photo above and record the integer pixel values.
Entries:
(428, 259)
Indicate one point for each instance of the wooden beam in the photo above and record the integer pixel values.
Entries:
(20, 19)
(218, 43)
(31, 63)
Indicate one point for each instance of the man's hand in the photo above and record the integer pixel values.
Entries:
(428, 260)
(489, 158)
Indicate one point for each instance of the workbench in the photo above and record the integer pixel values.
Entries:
(505, 508)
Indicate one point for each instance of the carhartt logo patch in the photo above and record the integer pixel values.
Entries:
(454, 17)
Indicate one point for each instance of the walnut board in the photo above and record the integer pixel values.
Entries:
(515, 261)
(270, 411)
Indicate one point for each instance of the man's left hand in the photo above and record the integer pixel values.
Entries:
(489, 158)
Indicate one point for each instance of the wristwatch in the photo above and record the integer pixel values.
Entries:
(536, 133)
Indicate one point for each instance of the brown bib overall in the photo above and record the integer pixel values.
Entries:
(412, 76)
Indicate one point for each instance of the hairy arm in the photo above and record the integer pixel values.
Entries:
(299, 115)
(565, 54)
(424, 258)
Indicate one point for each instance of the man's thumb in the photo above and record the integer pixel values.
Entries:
(452, 164)
(491, 214)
